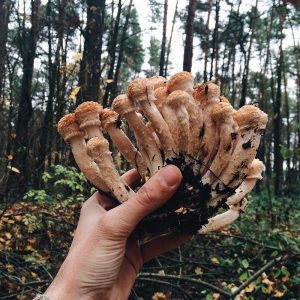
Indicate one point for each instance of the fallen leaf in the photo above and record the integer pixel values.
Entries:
(250, 288)
(8, 235)
(13, 169)
(10, 157)
(278, 294)
(109, 81)
(215, 261)
(198, 271)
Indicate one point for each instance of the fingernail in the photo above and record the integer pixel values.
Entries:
(170, 176)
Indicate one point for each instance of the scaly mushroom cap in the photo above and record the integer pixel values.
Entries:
(177, 98)
(96, 146)
(87, 114)
(122, 105)
(181, 81)
(69, 128)
(250, 115)
(224, 99)
(157, 81)
(161, 94)
(255, 169)
(137, 89)
(205, 92)
(221, 111)
(108, 117)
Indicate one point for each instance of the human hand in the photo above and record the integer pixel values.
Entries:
(105, 257)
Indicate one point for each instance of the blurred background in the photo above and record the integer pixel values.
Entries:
(57, 54)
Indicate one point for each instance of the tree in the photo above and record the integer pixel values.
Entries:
(163, 41)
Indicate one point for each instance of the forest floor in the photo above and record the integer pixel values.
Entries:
(249, 260)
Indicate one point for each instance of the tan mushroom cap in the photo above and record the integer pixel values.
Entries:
(224, 99)
(250, 115)
(221, 111)
(161, 94)
(206, 91)
(108, 117)
(137, 89)
(177, 79)
(157, 81)
(122, 105)
(97, 145)
(177, 98)
(87, 114)
(69, 128)
(255, 169)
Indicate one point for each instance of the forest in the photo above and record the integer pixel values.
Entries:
(55, 55)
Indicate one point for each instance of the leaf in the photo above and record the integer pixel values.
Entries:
(215, 261)
(274, 253)
(13, 169)
(10, 157)
(13, 135)
(250, 288)
(245, 263)
(8, 235)
(74, 93)
(109, 81)
(243, 276)
(34, 275)
(77, 56)
(198, 271)
(278, 294)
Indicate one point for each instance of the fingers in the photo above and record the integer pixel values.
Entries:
(122, 220)
(163, 244)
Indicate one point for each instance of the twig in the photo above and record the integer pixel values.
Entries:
(195, 281)
(258, 273)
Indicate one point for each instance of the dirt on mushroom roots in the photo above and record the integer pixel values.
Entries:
(187, 210)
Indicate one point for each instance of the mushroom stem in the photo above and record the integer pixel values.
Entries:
(70, 131)
(98, 149)
(141, 91)
(110, 119)
(146, 143)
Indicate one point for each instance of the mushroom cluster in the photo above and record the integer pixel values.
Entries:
(172, 122)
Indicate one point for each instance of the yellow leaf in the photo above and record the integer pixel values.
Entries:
(9, 268)
(13, 135)
(215, 261)
(278, 294)
(13, 169)
(161, 272)
(250, 288)
(285, 278)
(216, 296)
(74, 93)
(198, 271)
(34, 275)
(10, 157)
(109, 81)
(77, 56)
(8, 235)
(159, 296)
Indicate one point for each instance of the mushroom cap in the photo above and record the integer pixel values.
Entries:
(122, 105)
(157, 81)
(68, 128)
(221, 112)
(161, 94)
(178, 80)
(224, 99)
(96, 146)
(108, 118)
(137, 90)
(255, 169)
(249, 115)
(87, 114)
(178, 98)
(205, 92)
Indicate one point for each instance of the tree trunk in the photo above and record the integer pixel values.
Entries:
(248, 57)
(189, 34)
(90, 67)
(28, 46)
(206, 47)
(121, 52)
(112, 55)
(170, 41)
(163, 41)
(5, 6)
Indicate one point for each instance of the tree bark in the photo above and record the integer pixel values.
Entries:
(189, 34)
(163, 41)
(5, 6)
(90, 67)
(206, 47)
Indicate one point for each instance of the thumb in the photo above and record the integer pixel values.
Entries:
(122, 220)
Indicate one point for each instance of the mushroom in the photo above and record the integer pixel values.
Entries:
(181, 81)
(146, 143)
(141, 91)
(98, 149)
(71, 133)
(87, 115)
(157, 81)
(110, 122)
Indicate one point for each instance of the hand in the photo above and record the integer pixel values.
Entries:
(105, 257)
